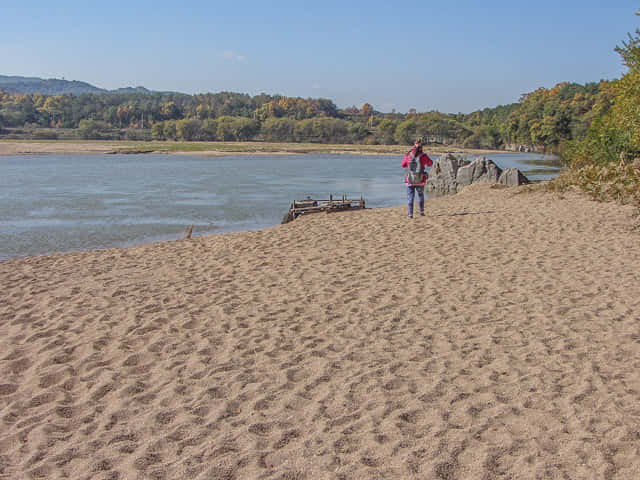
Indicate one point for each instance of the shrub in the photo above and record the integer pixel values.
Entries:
(613, 181)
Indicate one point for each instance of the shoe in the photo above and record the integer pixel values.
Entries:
(422, 214)
(409, 216)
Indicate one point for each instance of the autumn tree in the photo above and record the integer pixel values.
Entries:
(170, 111)
(366, 110)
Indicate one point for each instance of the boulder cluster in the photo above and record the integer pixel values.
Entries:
(450, 174)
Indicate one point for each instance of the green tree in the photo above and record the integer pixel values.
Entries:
(170, 130)
(405, 132)
(385, 132)
(279, 129)
(188, 129)
(330, 130)
(616, 131)
(209, 130)
(226, 130)
(304, 131)
(244, 128)
(358, 132)
(604, 143)
(91, 129)
(625, 110)
(157, 131)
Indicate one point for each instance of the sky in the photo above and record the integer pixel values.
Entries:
(451, 56)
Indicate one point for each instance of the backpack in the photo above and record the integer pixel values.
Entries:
(415, 171)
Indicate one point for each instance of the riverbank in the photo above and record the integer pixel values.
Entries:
(19, 147)
(329, 348)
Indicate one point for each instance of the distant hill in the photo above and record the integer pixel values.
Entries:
(131, 90)
(54, 86)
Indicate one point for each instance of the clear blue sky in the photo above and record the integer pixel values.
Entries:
(455, 56)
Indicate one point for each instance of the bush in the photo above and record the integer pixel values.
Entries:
(615, 181)
(138, 134)
(44, 134)
(93, 130)
(604, 144)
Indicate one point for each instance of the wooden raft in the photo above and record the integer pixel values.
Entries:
(308, 205)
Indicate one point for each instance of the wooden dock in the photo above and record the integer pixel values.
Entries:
(309, 205)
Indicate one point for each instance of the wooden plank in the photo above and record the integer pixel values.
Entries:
(309, 206)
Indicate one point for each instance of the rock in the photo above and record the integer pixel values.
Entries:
(442, 176)
(480, 170)
(513, 177)
(451, 174)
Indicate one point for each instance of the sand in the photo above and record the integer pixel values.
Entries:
(58, 147)
(496, 337)
(213, 149)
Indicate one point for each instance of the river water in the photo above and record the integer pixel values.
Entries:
(61, 203)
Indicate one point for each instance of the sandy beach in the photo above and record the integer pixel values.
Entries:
(496, 337)
(210, 149)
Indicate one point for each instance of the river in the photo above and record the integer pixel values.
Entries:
(61, 203)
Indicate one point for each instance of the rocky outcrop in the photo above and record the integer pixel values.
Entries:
(480, 170)
(512, 177)
(442, 176)
(450, 174)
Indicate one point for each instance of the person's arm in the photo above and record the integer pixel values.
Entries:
(426, 161)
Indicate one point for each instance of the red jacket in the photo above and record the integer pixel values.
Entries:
(425, 161)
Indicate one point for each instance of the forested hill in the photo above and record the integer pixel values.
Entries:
(51, 86)
(543, 119)
(55, 86)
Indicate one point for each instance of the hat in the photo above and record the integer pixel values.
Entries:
(418, 141)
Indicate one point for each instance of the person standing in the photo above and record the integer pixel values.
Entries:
(415, 162)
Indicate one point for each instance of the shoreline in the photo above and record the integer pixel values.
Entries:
(31, 147)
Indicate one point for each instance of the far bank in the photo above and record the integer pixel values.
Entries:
(26, 147)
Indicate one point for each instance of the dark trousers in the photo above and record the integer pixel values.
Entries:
(411, 191)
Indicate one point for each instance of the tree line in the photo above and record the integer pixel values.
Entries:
(545, 119)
